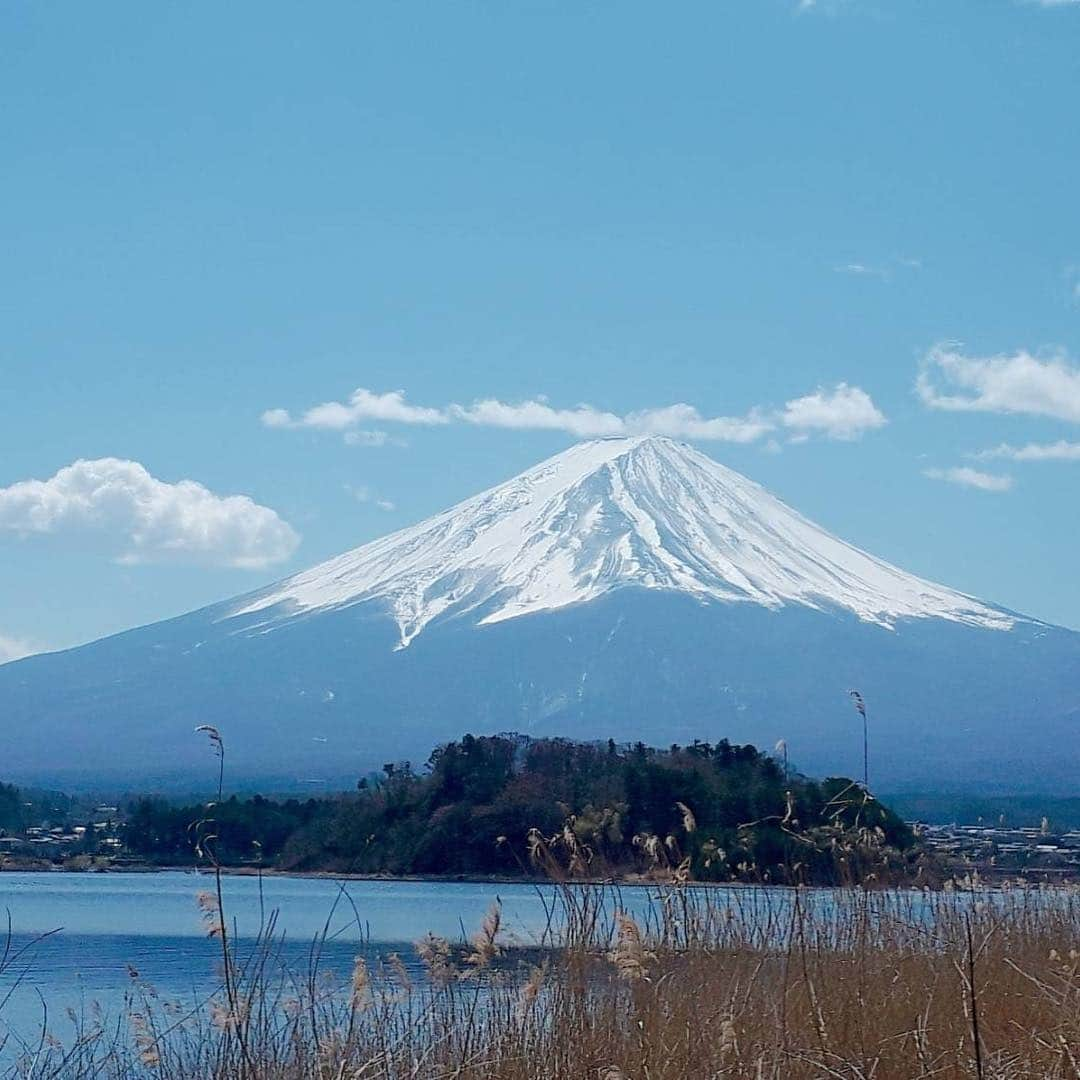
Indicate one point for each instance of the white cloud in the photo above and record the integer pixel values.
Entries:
(362, 405)
(863, 270)
(584, 421)
(973, 478)
(822, 7)
(883, 270)
(1051, 3)
(277, 418)
(363, 494)
(366, 438)
(12, 648)
(685, 422)
(1062, 450)
(845, 412)
(151, 520)
(1020, 383)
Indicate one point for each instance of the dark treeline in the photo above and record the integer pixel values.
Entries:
(254, 830)
(21, 808)
(501, 804)
(12, 814)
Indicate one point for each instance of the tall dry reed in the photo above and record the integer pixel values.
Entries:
(703, 982)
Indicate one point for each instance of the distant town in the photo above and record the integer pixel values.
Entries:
(1038, 852)
(98, 843)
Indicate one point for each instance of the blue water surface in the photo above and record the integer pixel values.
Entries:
(109, 933)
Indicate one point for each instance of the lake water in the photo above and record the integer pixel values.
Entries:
(118, 932)
(110, 925)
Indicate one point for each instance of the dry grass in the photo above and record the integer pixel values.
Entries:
(743, 982)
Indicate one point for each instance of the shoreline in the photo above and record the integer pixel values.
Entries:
(990, 877)
(332, 875)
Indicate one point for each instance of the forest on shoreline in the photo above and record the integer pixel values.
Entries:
(510, 806)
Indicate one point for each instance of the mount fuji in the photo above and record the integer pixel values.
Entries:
(630, 588)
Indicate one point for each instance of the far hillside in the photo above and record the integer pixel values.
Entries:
(1013, 811)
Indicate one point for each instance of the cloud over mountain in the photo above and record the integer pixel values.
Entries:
(842, 412)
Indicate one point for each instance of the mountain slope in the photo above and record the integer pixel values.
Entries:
(642, 511)
(626, 588)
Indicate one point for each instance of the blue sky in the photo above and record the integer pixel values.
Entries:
(847, 232)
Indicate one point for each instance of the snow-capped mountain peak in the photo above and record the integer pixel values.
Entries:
(607, 514)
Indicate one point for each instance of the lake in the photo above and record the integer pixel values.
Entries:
(118, 933)
(110, 925)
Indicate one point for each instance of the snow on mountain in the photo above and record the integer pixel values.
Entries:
(603, 515)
